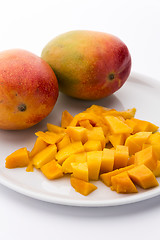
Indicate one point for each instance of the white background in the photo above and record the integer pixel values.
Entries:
(30, 25)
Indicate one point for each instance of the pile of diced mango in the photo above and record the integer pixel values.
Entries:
(96, 144)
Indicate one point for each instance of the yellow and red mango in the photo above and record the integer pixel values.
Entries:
(28, 89)
(88, 64)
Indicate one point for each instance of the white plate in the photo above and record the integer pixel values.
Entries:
(139, 91)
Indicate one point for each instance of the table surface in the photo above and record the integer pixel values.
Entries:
(30, 25)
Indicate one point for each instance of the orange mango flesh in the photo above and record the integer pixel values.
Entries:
(19, 158)
(97, 144)
(143, 176)
(121, 183)
(52, 170)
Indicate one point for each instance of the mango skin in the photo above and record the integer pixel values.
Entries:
(28, 89)
(89, 65)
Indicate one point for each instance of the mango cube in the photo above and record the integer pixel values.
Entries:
(143, 176)
(97, 134)
(121, 156)
(93, 145)
(38, 146)
(147, 157)
(136, 141)
(131, 160)
(75, 147)
(117, 126)
(141, 125)
(94, 159)
(80, 170)
(77, 133)
(82, 187)
(156, 172)
(107, 162)
(44, 156)
(86, 124)
(78, 158)
(106, 177)
(121, 183)
(18, 158)
(64, 142)
(125, 114)
(55, 128)
(117, 139)
(66, 119)
(52, 170)
(50, 137)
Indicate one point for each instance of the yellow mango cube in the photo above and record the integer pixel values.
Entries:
(136, 141)
(117, 139)
(154, 138)
(97, 134)
(50, 137)
(97, 109)
(106, 177)
(107, 162)
(80, 170)
(55, 128)
(121, 183)
(141, 125)
(143, 176)
(66, 119)
(131, 160)
(82, 187)
(77, 133)
(78, 158)
(38, 146)
(155, 147)
(117, 126)
(94, 159)
(86, 124)
(18, 158)
(156, 172)
(64, 153)
(44, 156)
(64, 142)
(121, 156)
(141, 137)
(52, 170)
(147, 157)
(93, 145)
(133, 147)
(125, 114)
(93, 119)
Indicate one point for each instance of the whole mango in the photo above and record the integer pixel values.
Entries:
(88, 65)
(28, 89)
